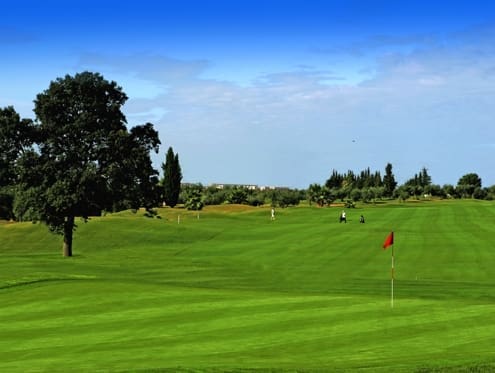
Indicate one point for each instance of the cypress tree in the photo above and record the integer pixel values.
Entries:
(389, 181)
(172, 177)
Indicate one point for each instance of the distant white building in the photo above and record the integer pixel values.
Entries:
(246, 186)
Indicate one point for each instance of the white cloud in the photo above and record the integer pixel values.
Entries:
(429, 106)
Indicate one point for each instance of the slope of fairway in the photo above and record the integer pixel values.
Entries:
(228, 289)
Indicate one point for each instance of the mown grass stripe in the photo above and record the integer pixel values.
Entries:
(234, 290)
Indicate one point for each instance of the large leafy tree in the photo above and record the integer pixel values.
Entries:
(172, 177)
(86, 160)
(467, 184)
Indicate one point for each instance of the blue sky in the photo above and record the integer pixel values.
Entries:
(277, 92)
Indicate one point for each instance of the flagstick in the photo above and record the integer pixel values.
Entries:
(392, 281)
(389, 241)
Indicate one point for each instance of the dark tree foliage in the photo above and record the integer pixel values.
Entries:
(335, 180)
(214, 196)
(256, 198)
(86, 160)
(284, 197)
(467, 185)
(419, 184)
(424, 178)
(238, 195)
(470, 179)
(420, 180)
(350, 180)
(16, 137)
(322, 196)
(389, 182)
(6, 204)
(192, 196)
(366, 186)
(146, 193)
(490, 193)
(172, 177)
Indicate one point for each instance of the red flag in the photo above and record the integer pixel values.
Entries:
(388, 241)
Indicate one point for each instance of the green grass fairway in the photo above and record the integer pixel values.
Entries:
(234, 291)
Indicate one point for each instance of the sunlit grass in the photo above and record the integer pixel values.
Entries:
(228, 289)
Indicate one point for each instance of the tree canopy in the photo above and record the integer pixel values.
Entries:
(468, 184)
(85, 160)
(470, 179)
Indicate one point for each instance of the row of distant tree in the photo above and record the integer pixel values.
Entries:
(368, 187)
(348, 187)
(196, 196)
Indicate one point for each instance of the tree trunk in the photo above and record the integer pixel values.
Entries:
(68, 230)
